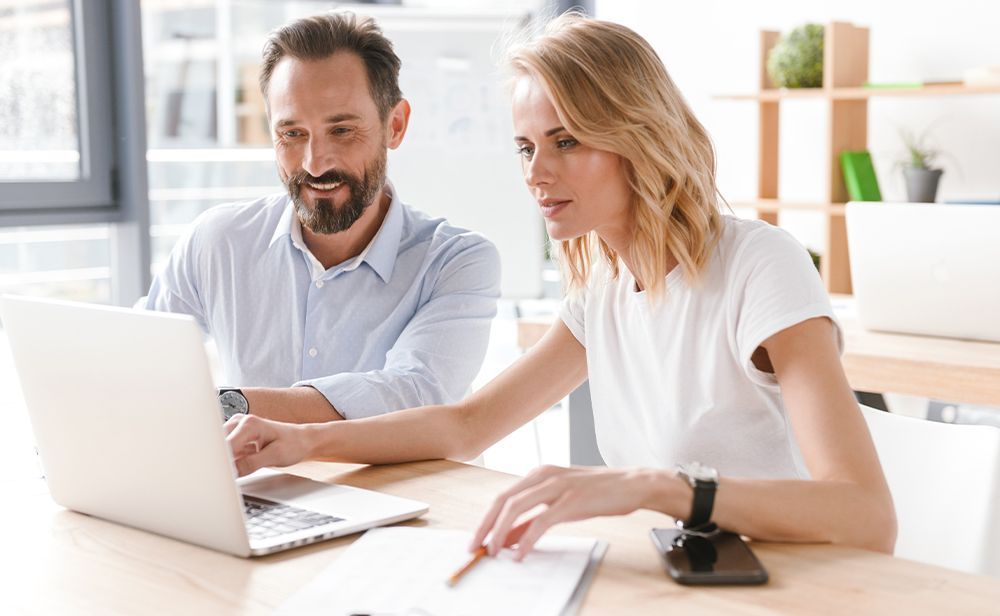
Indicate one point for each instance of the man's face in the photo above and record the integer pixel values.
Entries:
(329, 142)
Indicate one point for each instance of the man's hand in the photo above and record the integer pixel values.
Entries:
(257, 442)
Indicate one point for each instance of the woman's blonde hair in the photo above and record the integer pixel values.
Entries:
(612, 92)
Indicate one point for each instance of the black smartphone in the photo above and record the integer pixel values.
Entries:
(718, 558)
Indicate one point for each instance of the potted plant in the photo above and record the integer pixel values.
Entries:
(922, 177)
(796, 60)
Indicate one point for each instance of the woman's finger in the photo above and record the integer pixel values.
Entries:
(536, 527)
(489, 518)
(518, 505)
(250, 463)
(515, 534)
(245, 437)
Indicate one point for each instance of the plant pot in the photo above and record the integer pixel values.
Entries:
(921, 184)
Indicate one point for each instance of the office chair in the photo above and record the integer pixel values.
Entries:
(945, 482)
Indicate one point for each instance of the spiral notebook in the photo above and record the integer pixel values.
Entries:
(403, 571)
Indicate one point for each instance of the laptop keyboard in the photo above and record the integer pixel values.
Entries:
(266, 519)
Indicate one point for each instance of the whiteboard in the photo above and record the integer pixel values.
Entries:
(458, 159)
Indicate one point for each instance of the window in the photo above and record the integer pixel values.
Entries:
(55, 112)
(207, 134)
(38, 119)
(55, 148)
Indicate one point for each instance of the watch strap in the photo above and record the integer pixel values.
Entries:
(701, 504)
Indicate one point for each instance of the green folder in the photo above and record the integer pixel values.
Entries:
(859, 176)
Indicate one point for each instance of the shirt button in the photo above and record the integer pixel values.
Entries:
(313, 352)
(319, 284)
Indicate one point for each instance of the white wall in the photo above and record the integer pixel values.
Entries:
(711, 47)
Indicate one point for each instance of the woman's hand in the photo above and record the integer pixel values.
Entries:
(257, 442)
(567, 494)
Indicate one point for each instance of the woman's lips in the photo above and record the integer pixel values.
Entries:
(551, 208)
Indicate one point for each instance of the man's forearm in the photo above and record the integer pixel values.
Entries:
(290, 404)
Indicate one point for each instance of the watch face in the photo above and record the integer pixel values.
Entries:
(700, 472)
(233, 403)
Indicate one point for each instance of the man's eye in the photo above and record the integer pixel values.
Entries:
(341, 130)
(291, 134)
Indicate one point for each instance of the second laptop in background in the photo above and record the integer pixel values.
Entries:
(929, 269)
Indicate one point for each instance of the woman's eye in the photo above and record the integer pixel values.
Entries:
(525, 151)
(566, 143)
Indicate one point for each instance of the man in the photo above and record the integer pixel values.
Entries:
(336, 300)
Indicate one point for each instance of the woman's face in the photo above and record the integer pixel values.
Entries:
(578, 188)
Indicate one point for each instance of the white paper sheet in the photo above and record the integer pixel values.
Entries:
(403, 571)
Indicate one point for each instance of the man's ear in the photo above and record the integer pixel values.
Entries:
(399, 119)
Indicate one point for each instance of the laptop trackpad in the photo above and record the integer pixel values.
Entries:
(340, 501)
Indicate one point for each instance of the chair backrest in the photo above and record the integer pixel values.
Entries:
(945, 482)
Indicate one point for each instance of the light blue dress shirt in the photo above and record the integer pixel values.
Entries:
(403, 324)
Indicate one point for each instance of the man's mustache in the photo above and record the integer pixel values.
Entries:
(330, 177)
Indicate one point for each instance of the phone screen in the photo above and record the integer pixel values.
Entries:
(722, 558)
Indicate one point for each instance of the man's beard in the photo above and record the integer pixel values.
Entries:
(325, 217)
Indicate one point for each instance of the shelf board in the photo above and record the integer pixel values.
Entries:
(861, 93)
(772, 206)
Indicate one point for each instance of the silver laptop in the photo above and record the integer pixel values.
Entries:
(923, 268)
(129, 429)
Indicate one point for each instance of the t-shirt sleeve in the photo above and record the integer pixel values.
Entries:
(775, 287)
(572, 311)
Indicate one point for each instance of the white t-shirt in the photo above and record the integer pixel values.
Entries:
(672, 380)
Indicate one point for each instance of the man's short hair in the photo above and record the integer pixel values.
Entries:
(321, 36)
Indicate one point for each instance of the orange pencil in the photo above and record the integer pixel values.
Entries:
(476, 557)
(512, 538)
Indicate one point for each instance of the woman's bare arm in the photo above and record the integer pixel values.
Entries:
(543, 376)
(846, 500)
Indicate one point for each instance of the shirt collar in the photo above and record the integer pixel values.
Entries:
(285, 223)
(380, 253)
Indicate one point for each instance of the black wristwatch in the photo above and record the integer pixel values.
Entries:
(703, 480)
(233, 403)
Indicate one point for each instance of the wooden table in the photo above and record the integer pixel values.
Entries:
(60, 562)
(939, 368)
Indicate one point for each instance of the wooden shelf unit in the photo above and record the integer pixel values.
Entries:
(845, 67)
(845, 71)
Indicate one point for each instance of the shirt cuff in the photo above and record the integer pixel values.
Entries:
(357, 395)
(573, 325)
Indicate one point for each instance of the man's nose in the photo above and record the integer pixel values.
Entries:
(319, 157)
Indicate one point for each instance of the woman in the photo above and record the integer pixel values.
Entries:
(706, 338)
